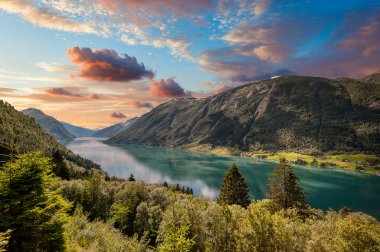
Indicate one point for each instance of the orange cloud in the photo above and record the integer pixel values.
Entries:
(221, 89)
(107, 65)
(272, 53)
(207, 84)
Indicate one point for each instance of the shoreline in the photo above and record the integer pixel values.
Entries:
(349, 162)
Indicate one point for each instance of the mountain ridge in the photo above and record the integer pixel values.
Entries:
(311, 114)
(50, 124)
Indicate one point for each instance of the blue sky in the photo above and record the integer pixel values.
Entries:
(60, 54)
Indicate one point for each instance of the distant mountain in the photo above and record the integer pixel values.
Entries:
(115, 129)
(23, 134)
(304, 114)
(77, 131)
(50, 124)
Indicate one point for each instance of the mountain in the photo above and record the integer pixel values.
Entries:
(50, 124)
(304, 114)
(23, 134)
(115, 129)
(77, 131)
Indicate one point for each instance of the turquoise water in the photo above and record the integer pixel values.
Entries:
(326, 188)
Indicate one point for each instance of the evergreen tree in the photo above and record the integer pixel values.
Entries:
(177, 187)
(234, 189)
(60, 167)
(131, 178)
(165, 184)
(33, 212)
(284, 187)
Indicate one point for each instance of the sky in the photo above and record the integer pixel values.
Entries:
(94, 63)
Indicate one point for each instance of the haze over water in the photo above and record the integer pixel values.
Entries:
(326, 188)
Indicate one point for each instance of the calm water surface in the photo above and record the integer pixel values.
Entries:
(326, 188)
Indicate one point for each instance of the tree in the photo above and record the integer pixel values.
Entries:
(28, 207)
(284, 187)
(60, 167)
(234, 189)
(131, 178)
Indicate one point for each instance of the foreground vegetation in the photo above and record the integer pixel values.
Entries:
(368, 163)
(42, 212)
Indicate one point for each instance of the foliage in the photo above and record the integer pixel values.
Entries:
(234, 189)
(284, 187)
(28, 207)
(83, 235)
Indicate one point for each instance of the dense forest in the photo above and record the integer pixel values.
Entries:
(43, 212)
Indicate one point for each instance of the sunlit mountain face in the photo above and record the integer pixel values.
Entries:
(94, 63)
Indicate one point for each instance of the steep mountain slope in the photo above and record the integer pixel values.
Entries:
(22, 134)
(305, 114)
(77, 131)
(114, 129)
(50, 124)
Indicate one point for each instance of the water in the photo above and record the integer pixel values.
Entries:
(326, 188)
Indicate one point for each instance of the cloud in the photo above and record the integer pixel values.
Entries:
(221, 89)
(364, 40)
(206, 84)
(93, 96)
(60, 92)
(246, 34)
(272, 53)
(137, 104)
(118, 115)
(167, 88)
(236, 69)
(260, 7)
(107, 65)
(158, 7)
(55, 67)
(45, 17)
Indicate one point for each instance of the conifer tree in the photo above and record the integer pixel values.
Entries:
(234, 189)
(131, 178)
(284, 187)
(34, 214)
(60, 167)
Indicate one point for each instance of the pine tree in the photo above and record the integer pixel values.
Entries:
(165, 184)
(28, 207)
(234, 189)
(60, 167)
(284, 187)
(131, 178)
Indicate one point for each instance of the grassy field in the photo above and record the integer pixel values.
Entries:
(355, 162)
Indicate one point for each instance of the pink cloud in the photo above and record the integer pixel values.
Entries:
(60, 92)
(272, 53)
(118, 115)
(167, 88)
(158, 7)
(107, 65)
(137, 104)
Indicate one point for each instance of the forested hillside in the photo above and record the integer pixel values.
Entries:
(292, 113)
(20, 133)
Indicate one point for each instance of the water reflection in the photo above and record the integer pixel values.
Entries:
(326, 188)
